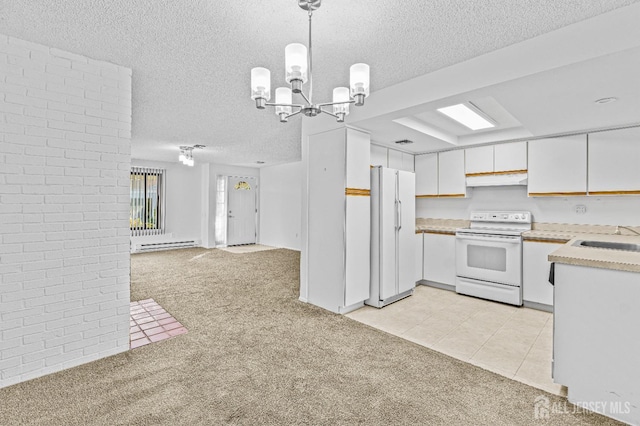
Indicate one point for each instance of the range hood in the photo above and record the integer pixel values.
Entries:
(497, 180)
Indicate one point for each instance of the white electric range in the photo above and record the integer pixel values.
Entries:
(489, 255)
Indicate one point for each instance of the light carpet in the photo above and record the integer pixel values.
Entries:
(256, 355)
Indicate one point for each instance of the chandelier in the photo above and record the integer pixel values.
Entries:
(298, 72)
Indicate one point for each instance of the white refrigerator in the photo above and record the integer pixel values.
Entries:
(393, 218)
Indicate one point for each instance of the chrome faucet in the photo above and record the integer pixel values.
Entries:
(617, 231)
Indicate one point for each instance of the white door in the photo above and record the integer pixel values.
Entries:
(241, 210)
(406, 230)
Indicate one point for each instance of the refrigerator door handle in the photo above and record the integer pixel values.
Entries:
(399, 215)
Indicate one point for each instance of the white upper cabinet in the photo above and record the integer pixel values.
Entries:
(391, 158)
(427, 175)
(510, 157)
(395, 159)
(507, 157)
(451, 176)
(407, 162)
(358, 168)
(440, 174)
(378, 156)
(614, 162)
(558, 166)
(479, 160)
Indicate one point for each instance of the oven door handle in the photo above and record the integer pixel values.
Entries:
(493, 238)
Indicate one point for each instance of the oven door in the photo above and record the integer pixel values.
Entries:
(493, 258)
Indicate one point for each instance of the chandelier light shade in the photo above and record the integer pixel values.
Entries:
(284, 98)
(260, 85)
(359, 82)
(295, 62)
(341, 102)
(298, 71)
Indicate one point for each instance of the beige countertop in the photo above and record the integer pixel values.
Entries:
(563, 232)
(440, 226)
(599, 257)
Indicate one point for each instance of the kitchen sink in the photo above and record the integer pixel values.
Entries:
(608, 245)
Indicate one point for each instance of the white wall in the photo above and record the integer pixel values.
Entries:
(65, 129)
(190, 199)
(183, 194)
(280, 205)
(600, 210)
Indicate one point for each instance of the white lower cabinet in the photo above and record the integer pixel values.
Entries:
(419, 257)
(439, 252)
(536, 287)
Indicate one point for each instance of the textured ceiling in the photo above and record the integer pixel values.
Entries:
(191, 58)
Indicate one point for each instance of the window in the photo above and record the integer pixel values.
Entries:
(146, 208)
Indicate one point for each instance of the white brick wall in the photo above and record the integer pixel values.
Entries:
(65, 129)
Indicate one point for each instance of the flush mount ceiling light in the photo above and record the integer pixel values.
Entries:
(298, 71)
(404, 142)
(605, 100)
(468, 116)
(186, 154)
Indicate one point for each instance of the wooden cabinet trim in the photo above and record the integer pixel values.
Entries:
(442, 196)
(614, 192)
(439, 232)
(505, 172)
(548, 241)
(555, 194)
(451, 196)
(357, 192)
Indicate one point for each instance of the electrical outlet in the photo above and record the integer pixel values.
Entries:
(581, 209)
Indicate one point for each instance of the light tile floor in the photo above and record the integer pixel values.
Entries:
(150, 323)
(507, 340)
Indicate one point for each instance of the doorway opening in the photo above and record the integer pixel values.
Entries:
(236, 210)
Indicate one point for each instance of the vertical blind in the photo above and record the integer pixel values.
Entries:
(146, 209)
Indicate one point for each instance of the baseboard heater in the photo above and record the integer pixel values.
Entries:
(168, 245)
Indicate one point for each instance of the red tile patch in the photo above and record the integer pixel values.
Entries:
(150, 323)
